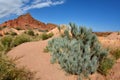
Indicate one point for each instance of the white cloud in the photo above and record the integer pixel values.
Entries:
(18, 7)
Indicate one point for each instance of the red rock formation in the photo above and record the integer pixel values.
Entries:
(26, 21)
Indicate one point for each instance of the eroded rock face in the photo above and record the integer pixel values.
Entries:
(26, 21)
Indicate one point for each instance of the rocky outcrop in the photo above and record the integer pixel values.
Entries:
(26, 21)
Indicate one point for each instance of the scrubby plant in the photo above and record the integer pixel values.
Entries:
(46, 50)
(78, 52)
(1, 47)
(6, 33)
(30, 32)
(18, 28)
(45, 36)
(13, 33)
(9, 71)
(6, 42)
(21, 39)
(50, 35)
(116, 53)
(42, 30)
(106, 65)
(59, 28)
(118, 32)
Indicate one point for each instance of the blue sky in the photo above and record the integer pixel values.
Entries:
(100, 15)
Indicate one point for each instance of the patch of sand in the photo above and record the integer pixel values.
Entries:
(36, 60)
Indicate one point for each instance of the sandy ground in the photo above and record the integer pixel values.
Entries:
(34, 58)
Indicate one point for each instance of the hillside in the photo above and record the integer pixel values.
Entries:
(26, 21)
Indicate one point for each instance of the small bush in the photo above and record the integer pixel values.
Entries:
(46, 50)
(21, 39)
(13, 33)
(106, 65)
(7, 33)
(42, 30)
(116, 53)
(1, 47)
(118, 32)
(31, 33)
(6, 40)
(8, 71)
(46, 36)
(18, 28)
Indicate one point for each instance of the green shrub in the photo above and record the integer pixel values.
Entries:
(1, 47)
(21, 39)
(46, 50)
(78, 53)
(116, 53)
(42, 30)
(13, 33)
(8, 71)
(46, 36)
(31, 33)
(6, 40)
(7, 33)
(18, 28)
(106, 65)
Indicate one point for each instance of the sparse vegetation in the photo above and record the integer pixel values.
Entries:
(9, 71)
(30, 32)
(78, 53)
(46, 36)
(18, 28)
(106, 65)
(116, 53)
(118, 32)
(46, 50)
(6, 42)
(13, 33)
(21, 39)
(1, 28)
(42, 30)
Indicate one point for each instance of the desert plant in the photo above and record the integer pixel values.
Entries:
(50, 35)
(9, 71)
(46, 50)
(21, 39)
(116, 53)
(13, 33)
(118, 32)
(42, 30)
(78, 52)
(6, 40)
(30, 32)
(105, 65)
(6, 33)
(18, 28)
(59, 28)
(45, 36)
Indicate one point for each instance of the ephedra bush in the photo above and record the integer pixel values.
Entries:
(78, 52)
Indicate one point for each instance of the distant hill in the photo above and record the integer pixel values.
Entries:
(26, 21)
